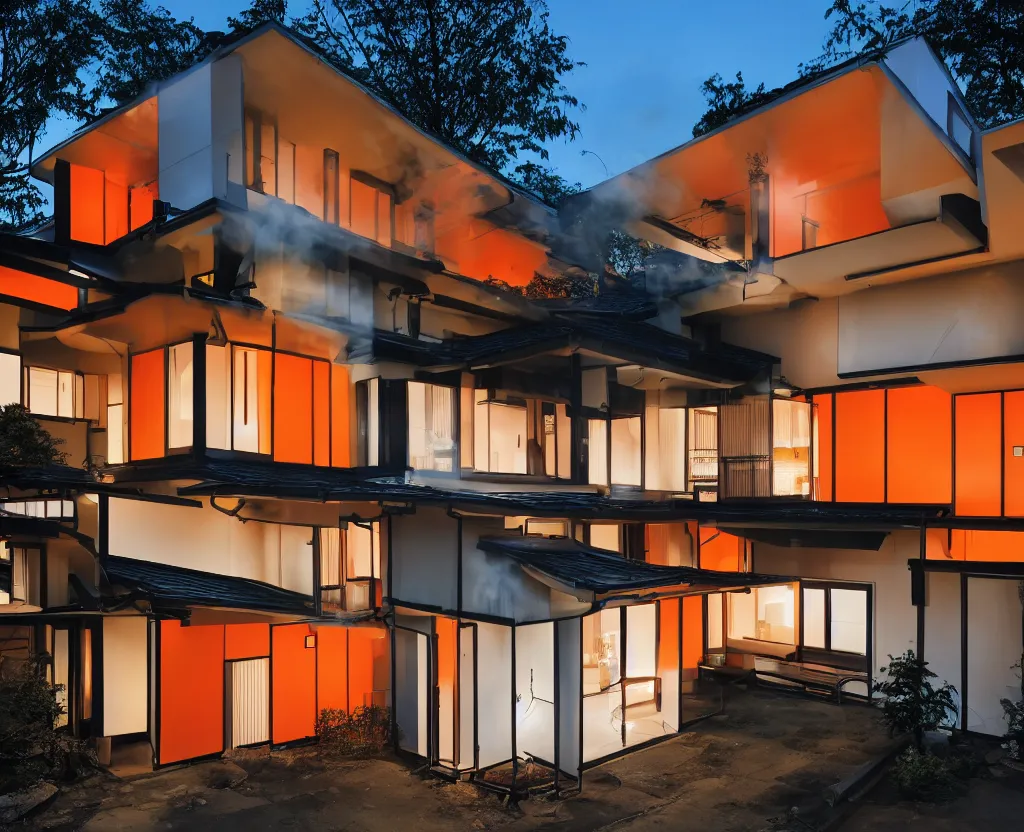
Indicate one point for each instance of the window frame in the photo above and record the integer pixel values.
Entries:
(827, 654)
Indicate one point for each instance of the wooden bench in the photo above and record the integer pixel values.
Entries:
(812, 680)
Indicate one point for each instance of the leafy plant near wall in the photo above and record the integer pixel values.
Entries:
(32, 748)
(365, 732)
(913, 705)
(1014, 712)
(922, 776)
(24, 443)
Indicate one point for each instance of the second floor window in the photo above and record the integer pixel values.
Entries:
(371, 203)
(431, 412)
(349, 567)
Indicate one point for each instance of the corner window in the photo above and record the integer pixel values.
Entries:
(10, 378)
(349, 567)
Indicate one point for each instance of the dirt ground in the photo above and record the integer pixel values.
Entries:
(762, 765)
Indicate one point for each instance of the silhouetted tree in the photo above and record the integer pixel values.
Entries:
(45, 48)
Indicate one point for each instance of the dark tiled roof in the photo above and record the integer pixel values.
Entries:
(597, 570)
(173, 585)
(633, 304)
(632, 341)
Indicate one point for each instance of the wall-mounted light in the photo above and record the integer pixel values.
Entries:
(310, 641)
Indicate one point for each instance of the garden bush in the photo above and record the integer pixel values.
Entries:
(365, 732)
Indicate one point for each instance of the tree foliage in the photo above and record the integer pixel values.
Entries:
(726, 100)
(143, 44)
(485, 77)
(24, 443)
(45, 47)
(31, 746)
(912, 703)
(980, 41)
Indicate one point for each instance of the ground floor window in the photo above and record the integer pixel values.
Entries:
(835, 618)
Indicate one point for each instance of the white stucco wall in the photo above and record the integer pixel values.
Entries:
(894, 619)
(207, 540)
(125, 675)
(424, 552)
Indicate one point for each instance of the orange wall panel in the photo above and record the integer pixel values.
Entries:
(668, 635)
(141, 204)
(332, 668)
(147, 405)
(30, 287)
(293, 409)
(1013, 466)
(860, 446)
(823, 451)
(978, 424)
(996, 546)
(191, 691)
(246, 641)
(361, 645)
(293, 684)
(115, 211)
(693, 634)
(87, 204)
(341, 422)
(321, 413)
(720, 551)
(920, 445)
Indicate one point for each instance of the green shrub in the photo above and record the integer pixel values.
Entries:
(1014, 736)
(24, 443)
(912, 704)
(32, 747)
(921, 776)
(365, 732)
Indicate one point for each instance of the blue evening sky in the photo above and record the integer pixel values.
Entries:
(645, 62)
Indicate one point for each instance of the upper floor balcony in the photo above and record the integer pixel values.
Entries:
(851, 178)
(266, 124)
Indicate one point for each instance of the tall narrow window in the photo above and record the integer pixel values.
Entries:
(368, 417)
(372, 209)
(626, 458)
(791, 447)
(431, 419)
(251, 418)
(286, 170)
(268, 158)
(331, 175)
(597, 451)
(702, 448)
(10, 378)
(179, 396)
(115, 420)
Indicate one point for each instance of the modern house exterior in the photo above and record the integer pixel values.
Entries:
(322, 454)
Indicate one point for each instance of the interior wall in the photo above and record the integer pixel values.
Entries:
(424, 552)
(210, 541)
(535, 691)
(494, 693)
(125, 675)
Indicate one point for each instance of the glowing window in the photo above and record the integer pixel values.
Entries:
(431, 414)
(179, 396)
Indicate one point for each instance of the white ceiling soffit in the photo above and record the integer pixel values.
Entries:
(827, 271)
